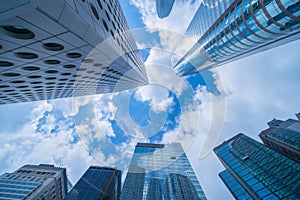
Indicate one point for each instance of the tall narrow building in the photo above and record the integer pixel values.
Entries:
(34, 182)
(283, 137)
(61, 48)
(160, 171)
(97, 183)
(254, 171)
(229, 30)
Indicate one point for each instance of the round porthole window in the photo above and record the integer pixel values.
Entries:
(73, 55)
(26, 55)
(51, 46)
(52, 62)
(18, 32)
(5, 64)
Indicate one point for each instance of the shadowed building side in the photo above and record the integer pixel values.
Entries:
(97, 183)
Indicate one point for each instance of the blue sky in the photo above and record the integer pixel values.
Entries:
(103, 129)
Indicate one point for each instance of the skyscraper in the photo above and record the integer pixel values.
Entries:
(229, 30)
(62, 48)
(34, 182)
(254, 171)
(97, 183)
(164, 7)
(160, 171)
(283, 137)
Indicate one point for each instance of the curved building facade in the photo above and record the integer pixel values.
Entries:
(61, 48)
(235, 29)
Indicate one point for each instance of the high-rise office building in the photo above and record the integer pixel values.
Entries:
(34, 182)
(164, 7)
(61, 48)
(97, 183)
(283, 137)
(254, 171)
(229, 30)
(160, 171)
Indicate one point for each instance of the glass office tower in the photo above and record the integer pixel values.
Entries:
(164, 7)
(229, 30)
(254, 171)
(61, 48)
(283, 137)
(97, 183)
(34, 182)
(159, 171)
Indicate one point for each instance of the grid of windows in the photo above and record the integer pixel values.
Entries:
(34, 182)
(233, 185)
(153, 165)
(238, 28)
(283, 137)
(262, 172)
(44, 56)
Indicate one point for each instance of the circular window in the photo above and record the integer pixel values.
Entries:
(51, 62)
(100, 4)
(51, 46)
(50, 78)
(107, 15)
(4, 86)
(87, 60)
(97, 64)
(18, 81)
(81, 69)
(66, 74)
(51, 86)
(50, 83)
(103, 67)
(26, 55)
(63, 79)
(69, 66)
(36, 82)
(38, 86)
(8, 90)
(51, 71)
(73, 55)
(11, 74)
(18, 32)
(105, 25)
(31, 68)
(1, 46)
(5, 64)
(94, 11)
(22, 86)
(34, 76)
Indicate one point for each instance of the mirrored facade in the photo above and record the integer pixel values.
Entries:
(164, 7)
(97, 183)
(229, 30)
(254, 171)
(159, 171)
(283, 137)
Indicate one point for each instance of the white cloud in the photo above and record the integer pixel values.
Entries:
(257, 89)
(178, 19)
